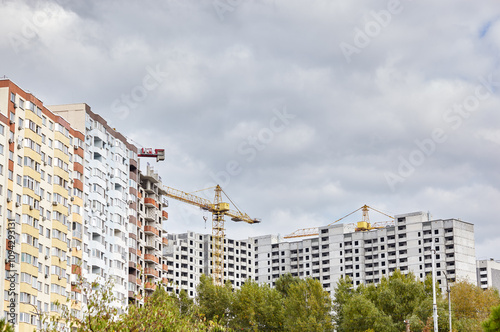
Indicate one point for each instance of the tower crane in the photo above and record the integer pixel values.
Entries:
(363, 225)
(219, 210)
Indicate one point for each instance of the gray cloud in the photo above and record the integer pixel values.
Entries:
(176, 76)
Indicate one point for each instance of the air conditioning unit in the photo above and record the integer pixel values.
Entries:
(20, 127)
(44, 163)
(54, 203)
(46, 276)
(9, 199)
(43, 218)
(19, 146)
(15, 105)
(72, 198)
(11, 141)
(46, 257)
(31, 207)
(70, 249)
(76, 147)
(17, 204)
(59, 277)
(78, 248)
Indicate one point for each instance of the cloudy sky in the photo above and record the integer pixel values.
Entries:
(302, 110)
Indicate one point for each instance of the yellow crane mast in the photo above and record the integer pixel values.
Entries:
(219, 210)
(363, 225)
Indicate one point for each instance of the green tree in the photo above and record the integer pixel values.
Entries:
(398, 296)
(257, 307)
(492, 324)
(5, 326)
(161, 312)
(98, 315)
(308, 307)
(395, 299)
(214, 302)
(283, 283)
(361, 314)
(343, 293)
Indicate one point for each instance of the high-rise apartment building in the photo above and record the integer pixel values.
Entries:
(147, 267)
(366, 256)
(110, 183)
(124, 210)
(41, 174)
(189, 255)
(488, 273)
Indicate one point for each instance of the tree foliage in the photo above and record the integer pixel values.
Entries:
(400, 297)
(308, 307)
(5, 326)
(294, 305)
(492, 324)
(383, 307)
(160, 312)
(214, 302)
(257, 308)
(471, 305)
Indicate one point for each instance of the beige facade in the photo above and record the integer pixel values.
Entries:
(41, 205)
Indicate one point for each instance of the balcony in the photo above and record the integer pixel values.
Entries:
(164, 280)
(152, 215)
(164, 267)
(151, 230)
(149, 202)
(151, 272)
(151, 258)
(150, 286)
(164, 215)
(150, 243)
(164, 240)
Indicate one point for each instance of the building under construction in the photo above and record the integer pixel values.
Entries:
(366, 254)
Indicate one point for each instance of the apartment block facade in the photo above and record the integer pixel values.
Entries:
(488, 273)
(110, 171)
(339, 251)
(189, 255)
(147, 267)
(42, 201)
(123, 210)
